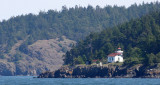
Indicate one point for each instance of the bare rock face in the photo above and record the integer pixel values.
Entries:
(43, 55)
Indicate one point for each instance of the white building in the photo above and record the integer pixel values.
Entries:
(116, 57)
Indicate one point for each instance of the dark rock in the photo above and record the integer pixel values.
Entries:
(110, 71)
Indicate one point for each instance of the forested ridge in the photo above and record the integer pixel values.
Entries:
(140, 40)
(30, 44)
(74, 23)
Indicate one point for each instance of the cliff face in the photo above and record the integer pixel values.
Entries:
(43, 55)
(109, 71)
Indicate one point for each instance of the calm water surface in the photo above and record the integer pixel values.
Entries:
(29, 80)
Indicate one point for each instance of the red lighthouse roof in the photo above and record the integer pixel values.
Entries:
(119, 48)
(114, 54)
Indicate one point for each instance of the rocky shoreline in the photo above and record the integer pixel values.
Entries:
(109, 71)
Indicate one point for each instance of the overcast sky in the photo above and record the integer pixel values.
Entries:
(9, 8)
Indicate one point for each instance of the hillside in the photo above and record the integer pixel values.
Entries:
(31, 44)
(43, 55)
(140, 40)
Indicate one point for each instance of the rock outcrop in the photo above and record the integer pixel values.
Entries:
(109, 71)
(41, 56)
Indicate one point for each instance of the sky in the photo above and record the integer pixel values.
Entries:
(10, 8)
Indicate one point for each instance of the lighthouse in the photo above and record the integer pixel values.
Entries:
(119, 51)
(116, 57)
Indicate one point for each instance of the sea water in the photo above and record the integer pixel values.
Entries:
(29, 80)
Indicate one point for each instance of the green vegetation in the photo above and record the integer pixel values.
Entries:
(74, 23)
(97, 31)
(140, 40)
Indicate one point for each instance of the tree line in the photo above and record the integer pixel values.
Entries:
(75, 23)
(139, 38)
